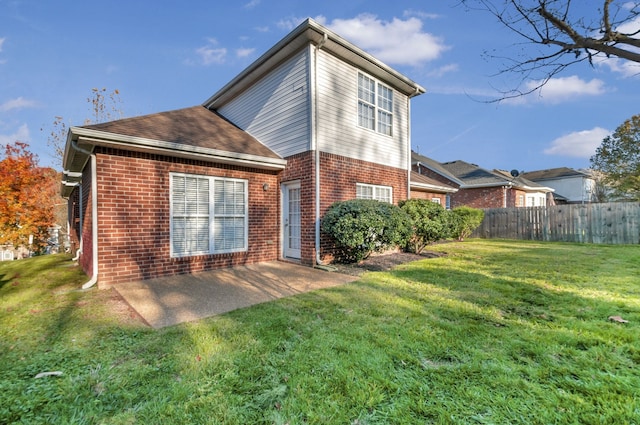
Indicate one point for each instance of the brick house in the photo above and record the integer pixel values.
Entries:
(246, 176)
(424, 187)
(480, 188)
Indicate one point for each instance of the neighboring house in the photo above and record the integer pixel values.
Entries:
(247, 176)
(480, 188)
(571, 186)
(423, 187)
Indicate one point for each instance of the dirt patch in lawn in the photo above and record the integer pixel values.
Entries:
(383, 261)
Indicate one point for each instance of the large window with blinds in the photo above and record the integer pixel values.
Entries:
(208, 215)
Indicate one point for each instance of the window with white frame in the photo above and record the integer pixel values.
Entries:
(371, 191)
(375, 105)
(436, 200)
(208, 215)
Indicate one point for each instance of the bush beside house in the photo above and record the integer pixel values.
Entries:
(465, 221)
(360, 227)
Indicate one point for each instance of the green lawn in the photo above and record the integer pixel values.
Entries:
(495, 332)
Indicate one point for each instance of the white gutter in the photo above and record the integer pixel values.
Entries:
(140, 144)
(433, 187)
(94, 216)
(315, 143)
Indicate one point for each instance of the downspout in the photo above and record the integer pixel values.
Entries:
(94, 216)
(315, 143)
(409, 145)
(79, 250)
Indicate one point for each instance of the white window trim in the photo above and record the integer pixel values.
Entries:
(436, 201)
(377, 109)
(212, 216)
(374, 187)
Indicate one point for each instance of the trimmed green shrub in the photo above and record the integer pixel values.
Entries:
(361, 226)
(430, 223)
(466, 220)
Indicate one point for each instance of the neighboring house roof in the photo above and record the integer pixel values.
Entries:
(193, 133)
(471, 176)
(433, 165)
(420, 182)
(522, 182)
(307, 32)
(555, 173)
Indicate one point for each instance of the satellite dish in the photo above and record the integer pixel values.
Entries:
(515, 173)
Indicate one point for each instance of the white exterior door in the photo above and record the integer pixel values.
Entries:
(291, 220)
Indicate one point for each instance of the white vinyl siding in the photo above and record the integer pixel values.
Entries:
(276, 110)
(339, 113)
(370, 191)
(208, 215)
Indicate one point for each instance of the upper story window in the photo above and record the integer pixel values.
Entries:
(371, 191)
(375, 105)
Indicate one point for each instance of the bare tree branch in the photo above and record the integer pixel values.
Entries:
(610, 32)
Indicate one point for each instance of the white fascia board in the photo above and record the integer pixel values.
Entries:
(309, 31)
(536, 189)
(433, 187)
(477, 186)
(140, 144)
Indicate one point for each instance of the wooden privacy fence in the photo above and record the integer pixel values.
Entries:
(609, 223)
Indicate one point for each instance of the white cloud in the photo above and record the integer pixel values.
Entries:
(422, 15)
(624, 67)
(2, 40)
(443, 70)
(290, 23)
(252, 4)
(211, 54)
(558, 90)
(22, 134)
(579, 144)
(243, 53)
(399, 42)
(17, 103)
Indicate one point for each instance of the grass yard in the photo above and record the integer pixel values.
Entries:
(495, 332)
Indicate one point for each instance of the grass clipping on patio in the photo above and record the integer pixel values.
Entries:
(500, 332)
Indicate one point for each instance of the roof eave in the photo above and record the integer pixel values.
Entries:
(432, 187)
(90, 138)
(310, 31)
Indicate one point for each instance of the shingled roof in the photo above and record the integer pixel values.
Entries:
(195, 126)
(554, 173)
(421, 182)
(193, 133)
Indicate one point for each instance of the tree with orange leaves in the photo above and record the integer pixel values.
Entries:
(27, 197)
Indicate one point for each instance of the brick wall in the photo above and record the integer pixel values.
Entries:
(419, 194)
(133, 216)
(301, 168)
(86, 259)
(486, 197)
(338, 179)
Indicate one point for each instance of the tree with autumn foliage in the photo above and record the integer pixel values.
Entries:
(28, 194)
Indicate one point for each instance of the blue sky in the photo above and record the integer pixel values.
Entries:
(166, 55)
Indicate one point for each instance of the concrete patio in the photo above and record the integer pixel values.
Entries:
(172, 300)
